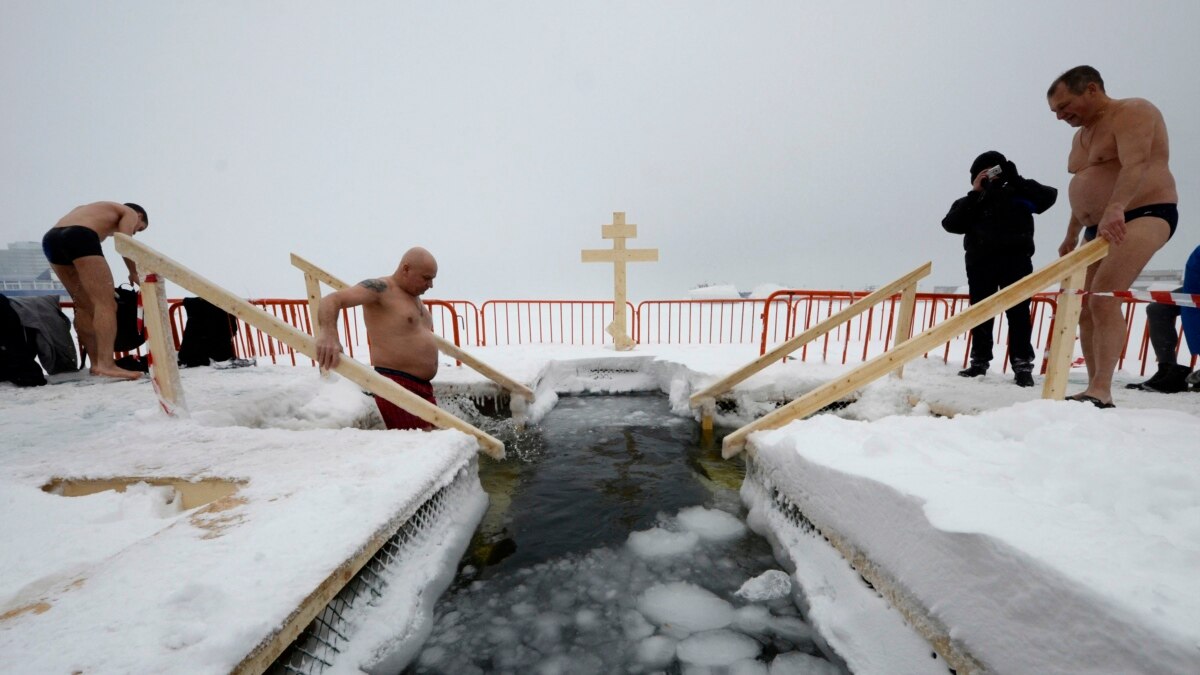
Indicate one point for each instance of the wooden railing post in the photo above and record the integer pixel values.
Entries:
(164, 360)
(1062, 338)
(908, 304)
(708, 410)
(312, 288)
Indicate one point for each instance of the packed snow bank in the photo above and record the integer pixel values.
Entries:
(1041, 537)
(127, 582)
(1090, 513)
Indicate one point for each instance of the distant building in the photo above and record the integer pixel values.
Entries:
(24, 270)
(1158, 280)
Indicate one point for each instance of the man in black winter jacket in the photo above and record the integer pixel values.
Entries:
(996, 219)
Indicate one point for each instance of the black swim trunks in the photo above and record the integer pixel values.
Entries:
(62, 245)
(1168, 212)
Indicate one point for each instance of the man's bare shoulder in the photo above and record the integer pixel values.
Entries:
(1126, 109)
(376, 285)
(100, 216)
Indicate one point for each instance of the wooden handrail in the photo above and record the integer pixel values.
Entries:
(150, 261)
(1070, 267)
(858, 307)
(705, 399)
(447, 347)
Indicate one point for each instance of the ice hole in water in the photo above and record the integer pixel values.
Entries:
(614, 542)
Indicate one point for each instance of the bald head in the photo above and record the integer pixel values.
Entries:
(417, 271)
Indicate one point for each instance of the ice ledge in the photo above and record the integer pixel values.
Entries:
(983, 604)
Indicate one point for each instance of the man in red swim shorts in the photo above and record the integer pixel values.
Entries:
(399, 328)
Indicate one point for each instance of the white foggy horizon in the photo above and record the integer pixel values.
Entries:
(811, 145)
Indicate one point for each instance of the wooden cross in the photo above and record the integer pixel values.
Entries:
(618, 255)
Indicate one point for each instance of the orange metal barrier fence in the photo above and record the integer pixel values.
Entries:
(574, 322)
(250, 342)
(775, 319)
(731, 321)
(872, 331)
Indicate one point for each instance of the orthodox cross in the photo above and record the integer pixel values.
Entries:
(618, 255)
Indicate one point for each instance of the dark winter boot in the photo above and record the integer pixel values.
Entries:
(1173, 381)
(1023, 378)
(975, 370)
(1163, 369)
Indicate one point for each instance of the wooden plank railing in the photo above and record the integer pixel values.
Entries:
(1068, 270)
(705, 399)
(314, 276)
(165, 369)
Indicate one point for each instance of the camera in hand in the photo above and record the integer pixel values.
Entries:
(992, 172)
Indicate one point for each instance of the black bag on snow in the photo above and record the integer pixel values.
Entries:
(16, 354)
(128, 337)
(207, 335)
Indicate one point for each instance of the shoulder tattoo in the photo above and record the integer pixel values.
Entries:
(374, 285)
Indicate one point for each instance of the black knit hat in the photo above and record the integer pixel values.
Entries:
(986, 161)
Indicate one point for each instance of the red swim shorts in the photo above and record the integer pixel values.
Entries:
(395, 417)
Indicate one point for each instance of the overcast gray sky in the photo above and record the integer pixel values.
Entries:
(810, 144)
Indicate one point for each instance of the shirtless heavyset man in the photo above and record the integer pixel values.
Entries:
(73, 248)
(399, 329)
(1123, 191)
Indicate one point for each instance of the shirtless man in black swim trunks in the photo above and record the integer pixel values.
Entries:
(399, 330)
(1123, 191)
(73, 248)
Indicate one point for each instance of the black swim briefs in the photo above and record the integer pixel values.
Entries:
(62, 245)
(1168, 212)
(400, 373)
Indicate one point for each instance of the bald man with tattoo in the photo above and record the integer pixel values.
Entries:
(399, 329)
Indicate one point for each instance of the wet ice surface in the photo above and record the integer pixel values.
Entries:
(615, 544)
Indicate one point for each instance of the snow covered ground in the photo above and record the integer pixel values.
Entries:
(1037, 536)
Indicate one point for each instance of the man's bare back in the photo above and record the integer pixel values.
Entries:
(72, 248)
(104, 218)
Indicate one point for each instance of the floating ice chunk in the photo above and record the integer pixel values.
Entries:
(752, 619)
(635, 626)
(792, 630)
(656, 652)
(503, 635)
(659, 543)
(684, 607)
(558, 664)
(711, 523)
(717, 648)
(587, 619)
(770, 585)
(574, 663)
(799, 663)
(748, 667)
(547, 631)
